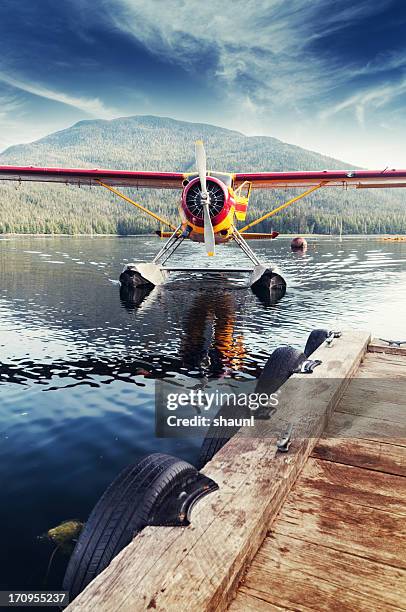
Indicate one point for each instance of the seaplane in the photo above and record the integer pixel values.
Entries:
(212, 204)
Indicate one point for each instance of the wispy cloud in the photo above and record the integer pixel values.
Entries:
(11, 109)
(262, 48)
(9, 105)
(384, 62)
(374, 97)
(90, 106)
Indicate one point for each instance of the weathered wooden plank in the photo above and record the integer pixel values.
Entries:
(198, 568)
(245, 602)
(395, 373)
(377, 346)
(342, 425)
(379, 456)
(304, 575)
(355, 404)
(366, 532)
(379, 389)
(379, 364)
(355, 485)
(383, 359)
(294, 589)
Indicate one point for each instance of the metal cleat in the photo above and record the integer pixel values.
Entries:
(307, 366)
(397, 343)
(331, 336)
(283, 443)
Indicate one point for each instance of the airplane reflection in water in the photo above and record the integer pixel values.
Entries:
(211, 347)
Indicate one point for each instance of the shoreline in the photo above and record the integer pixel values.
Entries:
(153, 235)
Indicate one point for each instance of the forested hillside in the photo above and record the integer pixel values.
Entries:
(154, 143)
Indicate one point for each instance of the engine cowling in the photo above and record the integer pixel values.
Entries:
(220, 201)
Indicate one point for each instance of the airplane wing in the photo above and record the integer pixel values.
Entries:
(83, 176)
(359, 179)
(173, 180)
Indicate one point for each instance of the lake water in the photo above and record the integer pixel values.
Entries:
(78, 362)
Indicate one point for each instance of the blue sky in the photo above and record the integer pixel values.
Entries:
(328, 75)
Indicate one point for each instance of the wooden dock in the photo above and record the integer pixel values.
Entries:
(321, 527)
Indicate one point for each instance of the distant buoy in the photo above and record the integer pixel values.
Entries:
(298, 244)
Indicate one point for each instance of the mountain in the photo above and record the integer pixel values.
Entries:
(159, 143)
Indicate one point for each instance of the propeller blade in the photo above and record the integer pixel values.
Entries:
(209, 240)
(201, 166)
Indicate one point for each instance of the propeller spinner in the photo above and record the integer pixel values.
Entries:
(209, 239)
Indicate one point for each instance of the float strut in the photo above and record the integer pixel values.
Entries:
(244, 247)
(170, 246)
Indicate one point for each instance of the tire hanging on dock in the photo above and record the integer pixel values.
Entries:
(280, 366)
(216, 437)
(315, 339)
(138, 497)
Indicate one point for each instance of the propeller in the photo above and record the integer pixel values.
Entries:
(209, 239)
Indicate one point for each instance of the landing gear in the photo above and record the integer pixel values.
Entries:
(153, 274)
(266, 284)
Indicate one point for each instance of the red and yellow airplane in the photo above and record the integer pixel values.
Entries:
(212, 203)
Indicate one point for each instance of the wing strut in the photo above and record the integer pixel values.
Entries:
(145, 210)
(282, 206)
